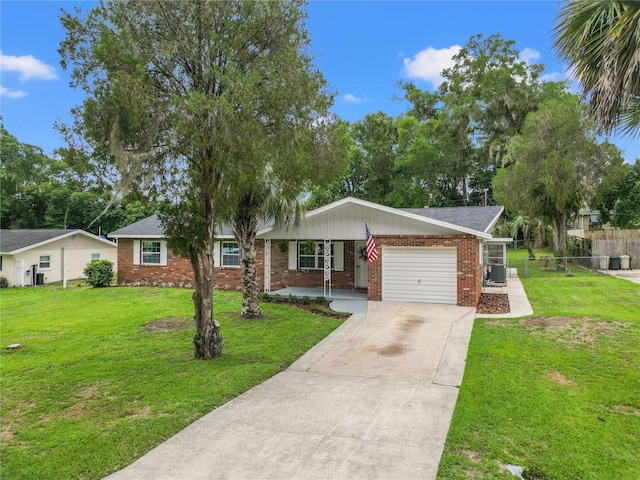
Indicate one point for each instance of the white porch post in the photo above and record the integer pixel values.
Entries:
(327, 267)
(267, 265)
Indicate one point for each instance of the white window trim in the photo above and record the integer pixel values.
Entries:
(337, 256)
(95, 253)
(138, 257)
(222, 254)
(40, 267)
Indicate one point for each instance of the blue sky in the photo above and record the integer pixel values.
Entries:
(363, 48)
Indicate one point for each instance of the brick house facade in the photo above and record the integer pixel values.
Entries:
(459, 233)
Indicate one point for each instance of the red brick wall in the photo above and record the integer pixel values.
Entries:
(178, 271)
(282, 277)
(469, 268)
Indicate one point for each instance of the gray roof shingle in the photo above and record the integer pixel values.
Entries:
(152, 227)
(11, 240)
(476, 218)
(147, 226)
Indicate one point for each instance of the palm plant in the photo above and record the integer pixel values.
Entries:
(266, 202)
(601, 42)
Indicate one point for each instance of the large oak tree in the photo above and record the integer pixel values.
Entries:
(193, 99)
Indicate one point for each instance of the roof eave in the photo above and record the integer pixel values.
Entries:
(494, 221)
(60, 237)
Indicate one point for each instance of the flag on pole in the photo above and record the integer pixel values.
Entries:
(372, 254)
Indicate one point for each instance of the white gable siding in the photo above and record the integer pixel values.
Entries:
(347, 223)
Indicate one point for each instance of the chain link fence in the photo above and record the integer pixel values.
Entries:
(554, 266)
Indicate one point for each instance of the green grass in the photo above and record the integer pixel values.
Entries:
(557, 393)
(92, 389)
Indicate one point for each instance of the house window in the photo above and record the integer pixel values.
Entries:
(151, 252)
(95, 256)
(45, 261)
(311, 255)
(230, 254)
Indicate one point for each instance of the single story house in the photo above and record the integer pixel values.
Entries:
(37, 256)
(432, 255)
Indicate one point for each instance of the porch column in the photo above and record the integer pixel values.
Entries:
(327, 268)
(267, 265)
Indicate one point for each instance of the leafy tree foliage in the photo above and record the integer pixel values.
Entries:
(600, 41)
(620, 204)
(60, 192)
(557, 165)
(194, 100)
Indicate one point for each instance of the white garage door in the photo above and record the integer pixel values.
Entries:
(419, 274)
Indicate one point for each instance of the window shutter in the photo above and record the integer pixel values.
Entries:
(136, 252)
(163, 253)
(338, 256)
(217, 259)
(293, 255)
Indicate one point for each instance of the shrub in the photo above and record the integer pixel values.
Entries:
(4, 283)
(264, 297)
(292, 298)
(277, 298)
(99, 273)
(306, 300)
(321, 300)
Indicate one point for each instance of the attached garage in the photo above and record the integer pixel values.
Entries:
(420, 274)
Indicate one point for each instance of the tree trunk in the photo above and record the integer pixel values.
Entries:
(560, 235)
(526, 234)
(245, 227)
(540, 237)
(250, 282)
(207, 341)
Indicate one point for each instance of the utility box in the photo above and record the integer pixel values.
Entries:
(624, 262)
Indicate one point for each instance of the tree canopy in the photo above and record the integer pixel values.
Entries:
(194, 100)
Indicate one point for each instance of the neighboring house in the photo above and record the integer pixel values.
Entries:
(433, 255)
(49, 254)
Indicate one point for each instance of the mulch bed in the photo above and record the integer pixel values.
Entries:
(493, 303)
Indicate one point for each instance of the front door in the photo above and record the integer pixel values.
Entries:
(362, 266)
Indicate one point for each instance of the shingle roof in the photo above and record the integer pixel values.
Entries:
(151, 227)
(12, 240)
(476, 218)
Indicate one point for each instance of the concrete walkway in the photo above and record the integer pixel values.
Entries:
(373, 400)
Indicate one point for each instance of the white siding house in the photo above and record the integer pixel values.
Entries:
(52, 253)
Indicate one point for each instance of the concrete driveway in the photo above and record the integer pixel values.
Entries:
(373, 400)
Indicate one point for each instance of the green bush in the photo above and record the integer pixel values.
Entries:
(292, 298)
(277, 298)
(264, 297)
(306, 300)
(99, 273)
(4, 283)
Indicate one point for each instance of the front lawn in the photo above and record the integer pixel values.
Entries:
(107, 374)
(556, 393)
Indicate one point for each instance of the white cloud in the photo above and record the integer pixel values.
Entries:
(5, 92)
(429, 63)
(351, 98)
(553, 77)
(28, 66)
(529, 55)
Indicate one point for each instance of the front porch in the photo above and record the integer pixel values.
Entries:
(352, 301)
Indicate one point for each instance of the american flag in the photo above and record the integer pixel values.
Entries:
(372, 254)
